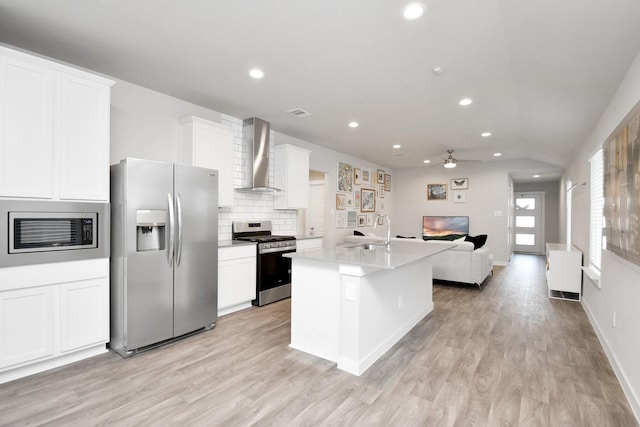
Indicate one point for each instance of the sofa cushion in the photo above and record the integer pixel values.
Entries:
(478, 241)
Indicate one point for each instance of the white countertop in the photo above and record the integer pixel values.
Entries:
(399, 254)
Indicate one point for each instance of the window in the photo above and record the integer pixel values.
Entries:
(597, 205)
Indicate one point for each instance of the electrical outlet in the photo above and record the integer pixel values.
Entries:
(613, 319)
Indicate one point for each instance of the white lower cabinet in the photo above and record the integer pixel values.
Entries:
(84, 313)
(26, 325)
(51, 315)
(236, 278)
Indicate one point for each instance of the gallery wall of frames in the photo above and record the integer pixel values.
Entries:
(360, 194)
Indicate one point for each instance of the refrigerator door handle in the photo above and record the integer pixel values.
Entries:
(170, 232)
(179, 231)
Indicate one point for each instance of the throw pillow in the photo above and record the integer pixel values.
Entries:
(462, 239)
(404, 237)
(478, 241)
(357, 233)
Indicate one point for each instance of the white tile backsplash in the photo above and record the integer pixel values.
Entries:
(251, 206)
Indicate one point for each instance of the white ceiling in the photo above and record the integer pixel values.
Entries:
(540, 72)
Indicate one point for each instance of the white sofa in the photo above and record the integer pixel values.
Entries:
(459, 264)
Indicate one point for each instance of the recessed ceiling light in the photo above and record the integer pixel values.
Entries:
(465, 101)
(426, 161)
(536, 175)
(353, 124)
(485, 134)
(396, 146)
(413, 11)
(497, 154)
(438, 70)
(256, 73)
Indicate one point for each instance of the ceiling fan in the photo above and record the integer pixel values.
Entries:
(450, 162)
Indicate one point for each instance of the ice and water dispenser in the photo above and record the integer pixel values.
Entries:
(151, 229)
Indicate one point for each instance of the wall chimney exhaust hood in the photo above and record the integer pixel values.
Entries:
(256, 136)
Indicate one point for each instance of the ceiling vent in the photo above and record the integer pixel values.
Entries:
(299, 113)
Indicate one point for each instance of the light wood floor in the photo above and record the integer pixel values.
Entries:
(506, 355)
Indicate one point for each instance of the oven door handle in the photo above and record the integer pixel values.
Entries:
(170, 238)
(283, 250)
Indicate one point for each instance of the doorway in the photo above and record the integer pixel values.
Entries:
(529, 222)
(315, 216)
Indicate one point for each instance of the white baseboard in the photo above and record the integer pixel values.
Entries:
(633, 400)
(54, 362)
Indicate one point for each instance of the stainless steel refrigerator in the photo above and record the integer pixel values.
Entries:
(164, 253)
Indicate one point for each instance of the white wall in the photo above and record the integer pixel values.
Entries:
(620, 280)
(145, 124)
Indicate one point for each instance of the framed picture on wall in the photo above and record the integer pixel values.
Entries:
(436, 191)
(362, 220)
(369, 220)
(459, 196)
(460, 184)
(367, 200)
(341, 201)
(357, 176)
(381, 191)
(387, 182)
(352, 218)
(349, 203)
(380, 179)
(366, 176)
(345, 177)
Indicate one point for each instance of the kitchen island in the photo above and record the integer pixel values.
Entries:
(352, 303)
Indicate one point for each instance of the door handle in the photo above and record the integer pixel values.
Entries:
(179, 240)
(170, 237)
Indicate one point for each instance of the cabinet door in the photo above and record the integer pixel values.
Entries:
(26, 325)
(298, 180)
(84, 315)
(236, 282)
(209, 145)
(84, 139)
(226, 281)
(291, 174)
(27, 93)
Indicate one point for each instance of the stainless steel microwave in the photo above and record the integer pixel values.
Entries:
(39, 232)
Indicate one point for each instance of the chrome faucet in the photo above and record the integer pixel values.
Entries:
(387, 243)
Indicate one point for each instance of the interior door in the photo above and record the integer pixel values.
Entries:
(528, 222)
(316, 212)
(196, 259)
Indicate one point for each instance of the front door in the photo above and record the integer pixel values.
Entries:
(528, 222)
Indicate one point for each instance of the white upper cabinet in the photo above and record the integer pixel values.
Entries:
(291, 174)
(54, 130)
(84, 139)
(27, 93)
(207, 144)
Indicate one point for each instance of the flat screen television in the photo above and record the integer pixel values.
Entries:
(444, 227)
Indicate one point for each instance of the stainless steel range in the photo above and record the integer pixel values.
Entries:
(273, 271)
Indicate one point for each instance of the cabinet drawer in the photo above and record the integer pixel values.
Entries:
(235, 252)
